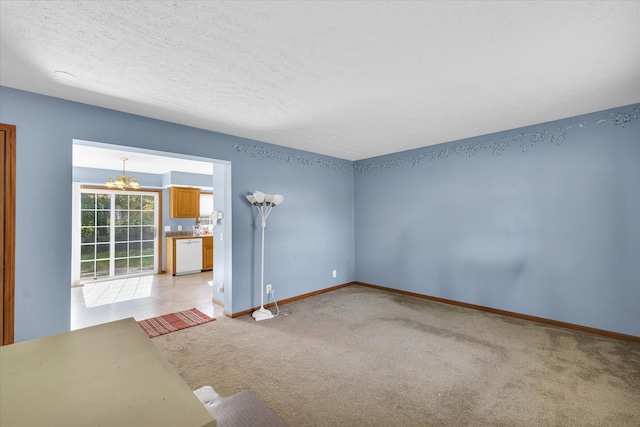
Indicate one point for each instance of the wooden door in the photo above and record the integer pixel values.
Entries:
(7, 231)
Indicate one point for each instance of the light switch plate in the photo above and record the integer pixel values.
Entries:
(167, 228)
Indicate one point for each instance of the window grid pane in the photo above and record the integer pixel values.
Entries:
(131, 225)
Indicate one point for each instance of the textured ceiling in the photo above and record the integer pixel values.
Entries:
(347, 79)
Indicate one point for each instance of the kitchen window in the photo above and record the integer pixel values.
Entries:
(206, 210)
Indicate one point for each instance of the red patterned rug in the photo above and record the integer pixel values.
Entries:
(167, 323)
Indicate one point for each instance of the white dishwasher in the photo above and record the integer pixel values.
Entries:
(188, 256)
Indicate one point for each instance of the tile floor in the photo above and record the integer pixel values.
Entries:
(141, 298)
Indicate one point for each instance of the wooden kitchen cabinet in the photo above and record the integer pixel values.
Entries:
(184, 202)
(207, 253)
(170, 255)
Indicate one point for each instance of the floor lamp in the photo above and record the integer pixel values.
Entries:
(264, 203)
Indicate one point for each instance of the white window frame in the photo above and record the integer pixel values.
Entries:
(76, 235)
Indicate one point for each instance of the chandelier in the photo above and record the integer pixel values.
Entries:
(122, 182)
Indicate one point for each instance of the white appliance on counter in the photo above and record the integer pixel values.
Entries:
(188, 256)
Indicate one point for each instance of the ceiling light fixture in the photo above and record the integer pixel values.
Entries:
(122, 182)
(64, 75)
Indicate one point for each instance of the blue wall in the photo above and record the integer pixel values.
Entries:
(310, 234)
(543, 220)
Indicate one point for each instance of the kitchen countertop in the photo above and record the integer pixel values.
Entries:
(187, 236)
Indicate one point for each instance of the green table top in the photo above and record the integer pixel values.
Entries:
(105, 375)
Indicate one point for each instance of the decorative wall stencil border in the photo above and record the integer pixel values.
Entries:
(283, 157)
(524, 140)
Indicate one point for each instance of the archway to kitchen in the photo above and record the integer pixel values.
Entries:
(112, 285)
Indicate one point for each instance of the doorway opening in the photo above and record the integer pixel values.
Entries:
(119, 259)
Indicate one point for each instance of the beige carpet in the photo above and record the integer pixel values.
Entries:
(364, 357)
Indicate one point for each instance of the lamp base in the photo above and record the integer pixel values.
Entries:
(262, 314)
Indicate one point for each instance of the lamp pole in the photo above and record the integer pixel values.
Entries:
(264, 203)
(264, 226)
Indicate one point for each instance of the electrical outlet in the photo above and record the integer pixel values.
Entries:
(179, 228)
(269, 289)
(335, 273)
